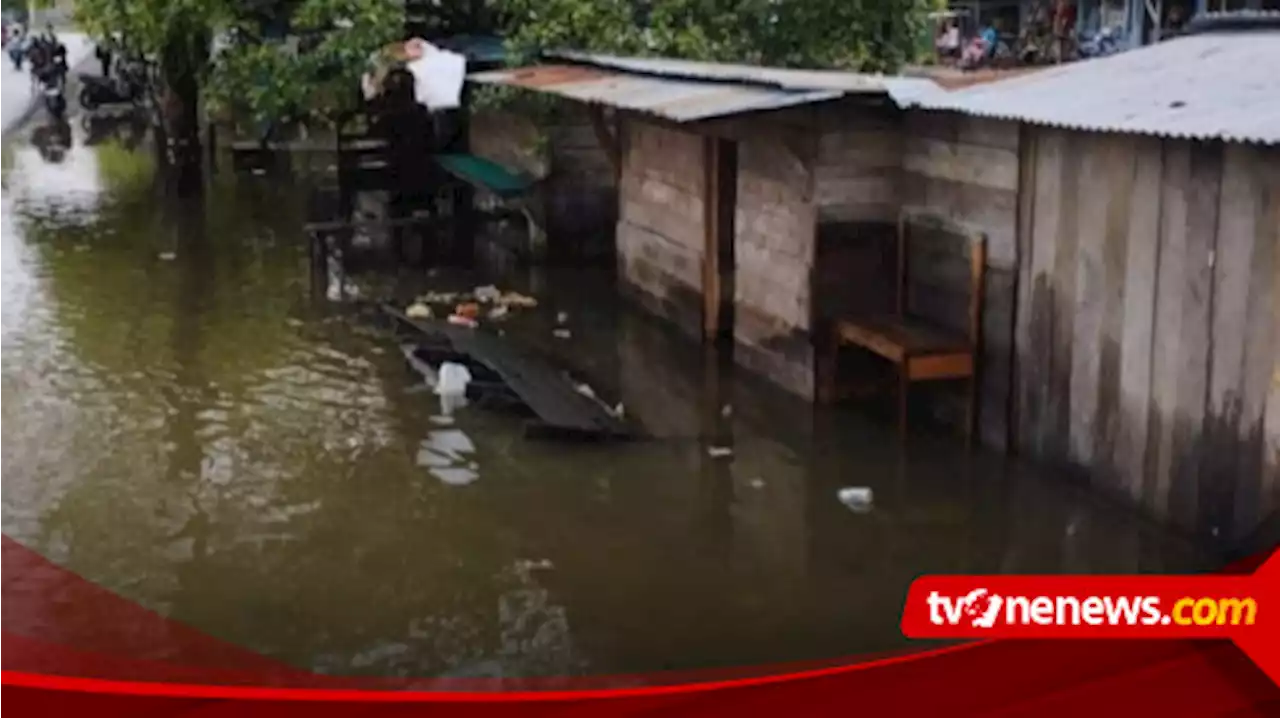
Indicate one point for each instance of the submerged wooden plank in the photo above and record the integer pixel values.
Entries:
(1035, 357)
(1259, 427)
(1223, 453)
(1095, 196)
(1121, 173)
(1022, 278)
(548, 392)
(1203, 187)
(1130, 456)
(1167, 338)
(1065, 296)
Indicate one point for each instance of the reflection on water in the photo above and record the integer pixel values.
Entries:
(195, 429)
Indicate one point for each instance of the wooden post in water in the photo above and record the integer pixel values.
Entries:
(721, 192)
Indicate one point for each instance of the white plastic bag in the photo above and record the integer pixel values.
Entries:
(438, 76)
(454, 379)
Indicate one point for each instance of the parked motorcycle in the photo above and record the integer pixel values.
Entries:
(1102, 43)
(53, 87)
(96, 91)
(55, 100)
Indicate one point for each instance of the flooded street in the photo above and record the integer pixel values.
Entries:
(194, 427)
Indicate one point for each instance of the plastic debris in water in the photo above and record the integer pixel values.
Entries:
(418, 310)
(543, 564)
(585, 390)
(454, 379)
(516, 299)
(619, 411)
(857, 498)
(499, 311)
(719, 452)
(455, 476)
(470, 310)
(757, 483)
(462, 321)
(562, 317)
(488, 293)
(726, 411)
(561, 333)
(168, 256)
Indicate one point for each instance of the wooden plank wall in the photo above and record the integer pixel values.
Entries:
(660, 238)
(1147, 334)
(774, 250)
(579, 197)
(583, 191)
(858, 191)
(966, 169)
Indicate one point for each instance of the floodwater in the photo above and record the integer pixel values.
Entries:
(194, 426)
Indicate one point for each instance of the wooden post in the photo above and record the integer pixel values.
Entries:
(720, 203)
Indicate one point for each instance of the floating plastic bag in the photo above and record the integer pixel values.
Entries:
(438, 76)
(454, 379)
(857, 498)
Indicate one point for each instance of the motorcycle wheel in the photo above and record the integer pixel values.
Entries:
(87, 100)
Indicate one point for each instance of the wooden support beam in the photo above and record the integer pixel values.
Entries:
(721, 201)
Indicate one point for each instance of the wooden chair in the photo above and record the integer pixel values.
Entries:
(918, 338)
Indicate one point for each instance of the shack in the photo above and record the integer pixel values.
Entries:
(1142, 218)
(750, 200)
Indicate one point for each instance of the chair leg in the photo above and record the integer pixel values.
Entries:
(828, 386)
(971, 412)
(904, 382)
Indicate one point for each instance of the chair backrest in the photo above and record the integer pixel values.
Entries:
(941, 270)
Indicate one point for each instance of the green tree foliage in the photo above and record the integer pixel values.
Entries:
(866, 35)
(279, 60)
(312, 68)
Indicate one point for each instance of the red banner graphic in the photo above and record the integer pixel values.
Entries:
(1243, 609)
(72, 648)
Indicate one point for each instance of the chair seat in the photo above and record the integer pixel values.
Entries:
(901, 338)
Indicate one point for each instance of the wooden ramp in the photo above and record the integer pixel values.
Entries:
(562, 411)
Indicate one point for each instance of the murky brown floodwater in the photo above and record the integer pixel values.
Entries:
(205, 436)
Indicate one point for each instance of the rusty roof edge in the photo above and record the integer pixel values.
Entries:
(621, 64)
(874, 82)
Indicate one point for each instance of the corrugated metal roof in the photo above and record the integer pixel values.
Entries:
(1211, 86)
(673, 99)
(846, 82)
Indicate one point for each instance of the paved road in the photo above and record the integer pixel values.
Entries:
(18, 97)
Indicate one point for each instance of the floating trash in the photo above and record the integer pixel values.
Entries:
(430, 459)
(857, 498)
(562, 317)
(487, 293)
(168, 256)
(726, 411)
(470, 310)
(719, 452)
(418, 310)
(461, 321)
(454, 379)
(499, 311)
(516, 299)
(439, 298)
(757, 483)
(456, 476)
(562, 333)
